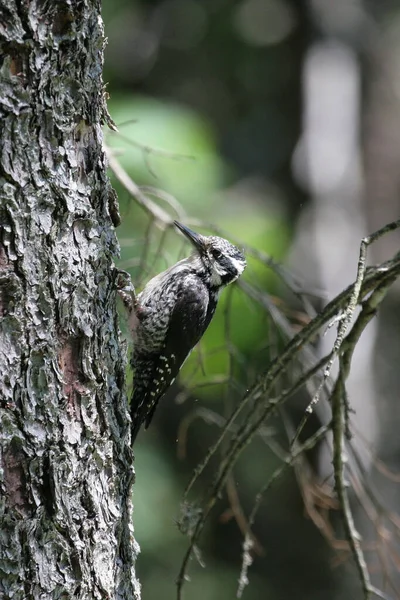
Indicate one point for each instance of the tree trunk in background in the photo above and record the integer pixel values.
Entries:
(66, 469)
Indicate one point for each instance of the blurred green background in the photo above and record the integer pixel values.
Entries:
(269, 119)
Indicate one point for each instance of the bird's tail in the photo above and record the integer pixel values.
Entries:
(137, 409)
(135, 428)
(140, 398)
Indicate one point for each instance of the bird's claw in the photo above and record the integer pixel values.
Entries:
(125, 289)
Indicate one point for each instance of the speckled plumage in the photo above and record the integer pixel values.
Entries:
(171, 315)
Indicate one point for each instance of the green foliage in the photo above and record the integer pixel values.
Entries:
(168, 146)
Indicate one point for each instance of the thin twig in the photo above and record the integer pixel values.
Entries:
(140, 198)
(289, 461)
(346, 316)
(339, 433)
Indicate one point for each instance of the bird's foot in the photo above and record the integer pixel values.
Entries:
(125, 290)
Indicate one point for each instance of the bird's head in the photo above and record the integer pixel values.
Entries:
(221, 261)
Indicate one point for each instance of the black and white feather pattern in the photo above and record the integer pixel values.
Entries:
(183, 324)
(171, 315)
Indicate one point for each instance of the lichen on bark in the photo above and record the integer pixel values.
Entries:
(65, 467)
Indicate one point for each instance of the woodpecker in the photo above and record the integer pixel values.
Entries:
(172, 313)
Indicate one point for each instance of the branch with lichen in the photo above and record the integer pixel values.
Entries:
(370, 288)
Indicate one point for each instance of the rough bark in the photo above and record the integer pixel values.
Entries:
(65, 467)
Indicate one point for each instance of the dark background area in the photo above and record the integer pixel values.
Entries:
(279, 122)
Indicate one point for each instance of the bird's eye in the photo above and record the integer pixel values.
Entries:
(217, 253)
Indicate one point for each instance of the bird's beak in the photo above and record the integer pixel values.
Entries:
(196, 239)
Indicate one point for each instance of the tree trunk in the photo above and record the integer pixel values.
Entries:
(66, 467)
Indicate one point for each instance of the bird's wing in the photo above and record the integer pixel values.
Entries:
(189, 319)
